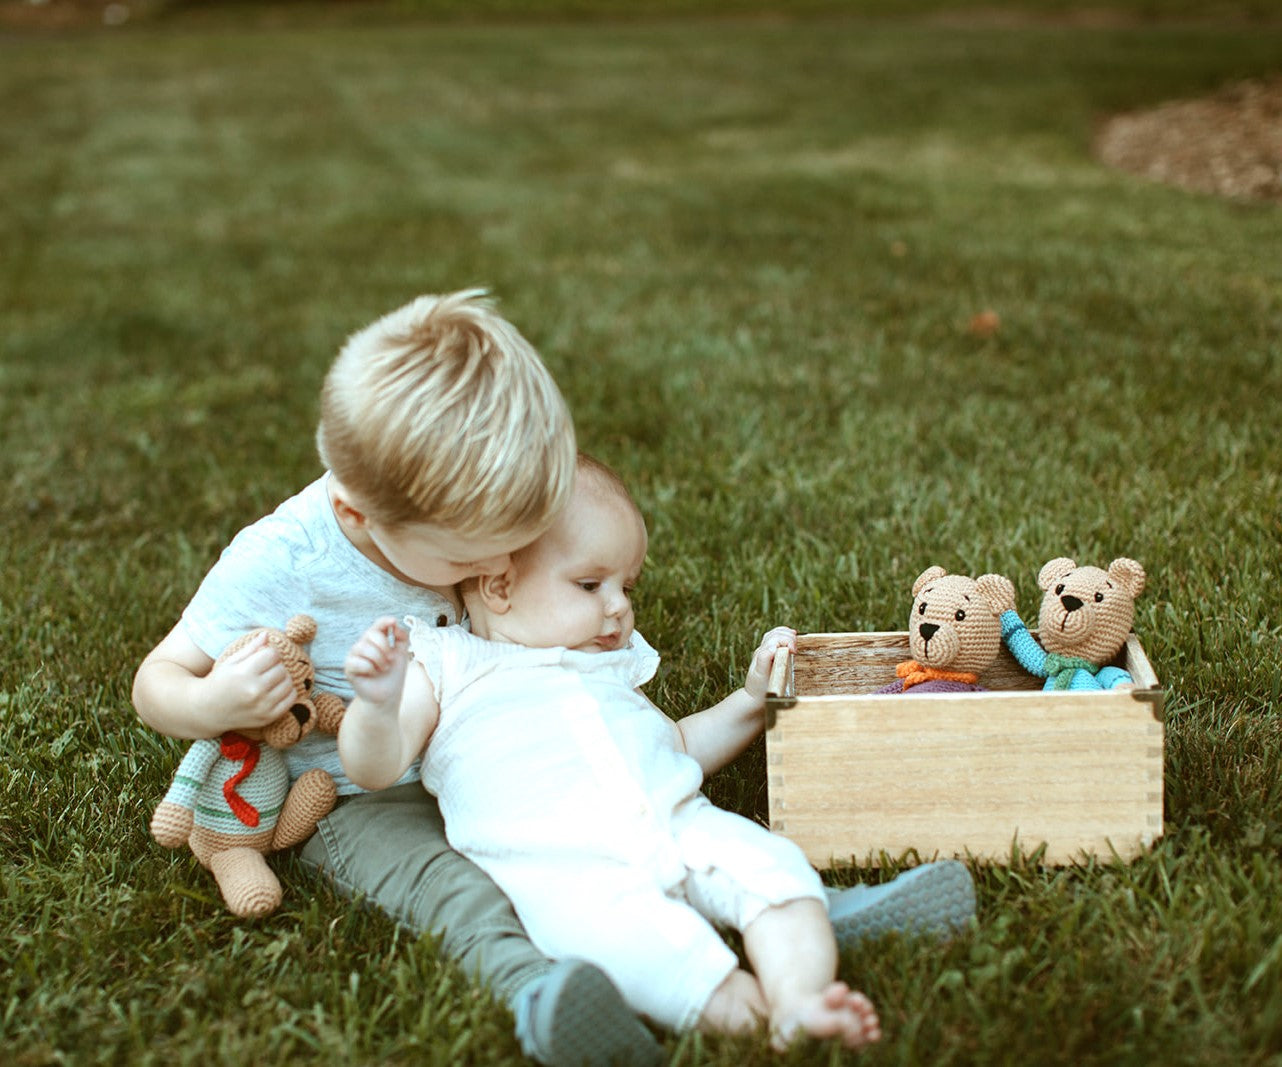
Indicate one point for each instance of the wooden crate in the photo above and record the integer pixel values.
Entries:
(853, 774)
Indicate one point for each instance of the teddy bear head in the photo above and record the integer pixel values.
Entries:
(1087, 612)
(309, 709)
(955, 622)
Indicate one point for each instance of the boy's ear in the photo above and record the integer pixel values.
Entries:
(495, 591)
(346, 511)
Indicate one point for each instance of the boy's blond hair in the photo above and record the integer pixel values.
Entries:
(441, 412)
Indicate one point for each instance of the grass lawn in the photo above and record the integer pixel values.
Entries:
(749, 249)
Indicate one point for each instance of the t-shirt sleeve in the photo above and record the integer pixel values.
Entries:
(253, 583)
(427, 644)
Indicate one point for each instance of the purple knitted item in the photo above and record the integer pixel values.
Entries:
(935, 685)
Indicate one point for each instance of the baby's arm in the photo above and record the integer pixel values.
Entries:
(719, 734)
(180, 691)
(395, 711)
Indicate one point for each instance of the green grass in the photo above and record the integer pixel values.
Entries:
(748, 249)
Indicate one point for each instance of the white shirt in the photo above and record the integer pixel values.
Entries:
(544, 754)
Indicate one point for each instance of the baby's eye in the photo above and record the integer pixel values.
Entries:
(589, 587)
(1099, 598)
(960, 616)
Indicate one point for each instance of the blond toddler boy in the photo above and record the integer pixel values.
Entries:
(447, 446)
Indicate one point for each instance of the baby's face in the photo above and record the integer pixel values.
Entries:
(574, 586)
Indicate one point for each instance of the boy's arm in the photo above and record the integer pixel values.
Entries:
(180, 691)
(395, 711)
(719, 734)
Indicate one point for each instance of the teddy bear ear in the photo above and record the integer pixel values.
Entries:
(1128, 574)
(1053, 571)
(301, 629)
(930, 574)
(997, 590)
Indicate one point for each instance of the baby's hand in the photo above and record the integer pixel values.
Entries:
(759, 672)
(249, 689)
(377, 662)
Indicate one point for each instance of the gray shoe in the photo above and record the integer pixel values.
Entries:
(935, 900)
(575, 1017)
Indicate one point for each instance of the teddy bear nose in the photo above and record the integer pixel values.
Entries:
(301, 713)
(1071, 603)
(927, 630)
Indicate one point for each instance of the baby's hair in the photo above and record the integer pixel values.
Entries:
(590, 465)
(441, 412)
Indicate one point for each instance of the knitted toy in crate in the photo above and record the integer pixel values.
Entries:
(1085, 618)
(231, 800)
(954, 632)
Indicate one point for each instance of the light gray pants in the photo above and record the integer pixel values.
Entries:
(389, 849)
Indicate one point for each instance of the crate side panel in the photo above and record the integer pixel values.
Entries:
(966, 774)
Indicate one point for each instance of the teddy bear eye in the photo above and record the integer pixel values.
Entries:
(307, 684)
(1099, 598)
(921, 608)
(960, 615)
(1059, 588)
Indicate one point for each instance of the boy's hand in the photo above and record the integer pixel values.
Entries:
(249, 689)
(759, 672)
(377, 663)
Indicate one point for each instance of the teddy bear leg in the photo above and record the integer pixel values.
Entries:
(310, 799)
(248, 885)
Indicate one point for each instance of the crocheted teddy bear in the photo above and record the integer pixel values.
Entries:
(231, 800)
(954, 632)
(1085, 618)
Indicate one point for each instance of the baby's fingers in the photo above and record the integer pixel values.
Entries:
(780, 637)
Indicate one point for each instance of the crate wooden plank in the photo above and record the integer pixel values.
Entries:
(853, 774)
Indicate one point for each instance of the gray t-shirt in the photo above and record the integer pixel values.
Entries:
(298, 560)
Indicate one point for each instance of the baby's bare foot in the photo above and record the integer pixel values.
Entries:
(837, 1012)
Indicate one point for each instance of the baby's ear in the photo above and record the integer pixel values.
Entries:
(495, 590)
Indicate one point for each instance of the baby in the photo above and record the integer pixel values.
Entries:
(581, 799)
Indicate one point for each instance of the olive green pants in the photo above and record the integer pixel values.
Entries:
(389, 850)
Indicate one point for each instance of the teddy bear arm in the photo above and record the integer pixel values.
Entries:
(329, 712)
(1023, 646)
(1113, 678)
(192, 772)
(171, 824)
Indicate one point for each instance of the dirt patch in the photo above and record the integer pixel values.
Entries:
(66, 14)
(1229, 144)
